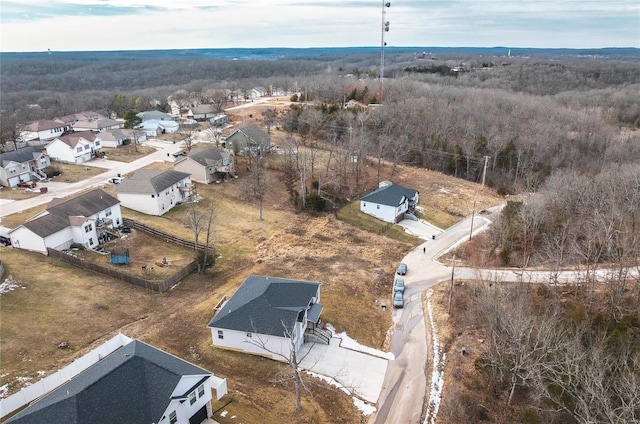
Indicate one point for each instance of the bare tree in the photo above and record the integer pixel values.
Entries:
(269, 118)
(201, 222)
(256, 186)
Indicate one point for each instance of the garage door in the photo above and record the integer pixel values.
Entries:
(14, 181)
(199, 416)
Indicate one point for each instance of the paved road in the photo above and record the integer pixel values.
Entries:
(112, 169)
(404, 389)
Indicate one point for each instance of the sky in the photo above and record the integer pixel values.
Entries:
(95, 25)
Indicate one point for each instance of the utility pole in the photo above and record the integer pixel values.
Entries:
(453, 269)
(484, 171)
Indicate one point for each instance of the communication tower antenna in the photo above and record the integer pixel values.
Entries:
(384, 28)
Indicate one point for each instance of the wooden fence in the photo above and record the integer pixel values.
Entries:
(173, 239)
(155, 286)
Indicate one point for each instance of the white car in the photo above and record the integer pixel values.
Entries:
(115, 180)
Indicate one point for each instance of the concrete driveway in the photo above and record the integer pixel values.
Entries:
(357, 371)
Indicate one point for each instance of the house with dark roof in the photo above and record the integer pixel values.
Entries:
(23, 165)
(389, 202)
(269, 316)
(250, 139)
(154, 115)
(153, 191)
(135, 384)
(84, 220)
(78, 147)
(207, 165)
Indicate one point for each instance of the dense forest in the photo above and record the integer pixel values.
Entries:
(559, 131)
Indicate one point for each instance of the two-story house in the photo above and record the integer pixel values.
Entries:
(207, 165)
(43, 130)
(23, 165)
(77, 147)
(81, 220)
(154, 191)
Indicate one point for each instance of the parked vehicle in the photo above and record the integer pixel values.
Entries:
(402, 269)
(115, 180)
(178, 154)
(399, 285)
(398, 300)
(5, 241)
(27, 184)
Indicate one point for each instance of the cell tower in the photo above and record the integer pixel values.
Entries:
(384, 28)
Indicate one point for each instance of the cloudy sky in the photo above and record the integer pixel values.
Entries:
(38, 25)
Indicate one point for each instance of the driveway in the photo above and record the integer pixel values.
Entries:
(357, 371)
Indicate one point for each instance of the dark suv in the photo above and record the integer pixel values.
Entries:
(5, 241)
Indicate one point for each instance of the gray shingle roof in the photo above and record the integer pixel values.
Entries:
(253, 133)
(266, 305)
(391, 195)
(204, 157)
(150, 181)
(133, 385)
(21, 155)
(60, 210)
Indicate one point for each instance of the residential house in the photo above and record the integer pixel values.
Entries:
(201, 112)
(155, 127)
(97, 125)
(23, 165)
(77, 147)
(249, 139)
(206, 165)
(135, 384)
(154, 115)
(116, 138)
(257, 92)
(43, 130)
(154, 191)
(88, 115)
(268, 316)
(84, 220)
(389, 202)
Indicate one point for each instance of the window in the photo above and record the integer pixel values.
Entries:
(192, 398)
(87, 147)
(249, 335)
(201, 390)
(87, 228)
(377, 206)
(79, 149)
(364, 204)
(107, 212)
(90, 242)
(153, 196)
(220, 334)
(173, 419)
(97, 142)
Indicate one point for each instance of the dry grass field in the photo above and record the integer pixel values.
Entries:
(60, 303)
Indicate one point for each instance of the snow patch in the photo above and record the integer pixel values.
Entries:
(362, 406)
(9, 284)
(224, 413)
(349, 343)
(4, 391)
(437, 373)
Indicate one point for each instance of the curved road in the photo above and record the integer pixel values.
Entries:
(404, 390)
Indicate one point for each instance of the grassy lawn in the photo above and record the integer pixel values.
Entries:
(18, 193)
(127, 153)
(71, 173)
(352, 215)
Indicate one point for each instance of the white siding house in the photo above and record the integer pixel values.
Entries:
(136, 383)
(80, 220)
(389, 202)
(43, 130)
(74, 148)
(153, 191)
(268, 316)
